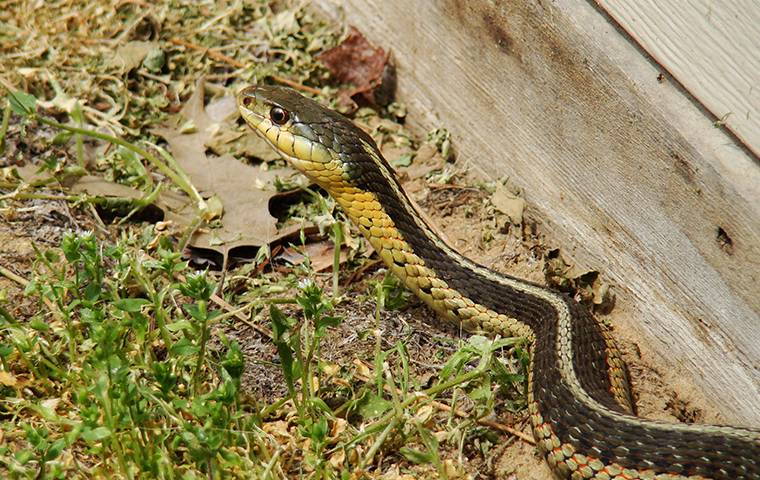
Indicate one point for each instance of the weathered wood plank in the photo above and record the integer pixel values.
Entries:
(711, 48)
(624, 170)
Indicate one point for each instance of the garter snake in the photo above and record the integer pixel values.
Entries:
(579, 400)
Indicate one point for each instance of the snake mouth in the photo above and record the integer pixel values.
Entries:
(249, 106)
(255, 112)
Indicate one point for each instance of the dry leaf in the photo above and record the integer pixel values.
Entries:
(586, 285)
(101, 187)
(246, 220)
(509, 204)
(453, 470)
(51, 403)
(278, 428)
(7, 379)
(361, 368)
(130, 56)
(393, 473)
(424, 414)
(427, 159)
(331, 369)
(339, 426)
(359, 63)
(337, 458)
(320, 254)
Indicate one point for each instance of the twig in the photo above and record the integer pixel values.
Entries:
(211, 53)
(239, 315)
(462, 414)
(13, 276)
(296, 85)
(216, 55)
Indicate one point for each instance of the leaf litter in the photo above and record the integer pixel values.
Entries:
(241, 192)
(366, 67)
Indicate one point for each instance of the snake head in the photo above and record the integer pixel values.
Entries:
(319, 142)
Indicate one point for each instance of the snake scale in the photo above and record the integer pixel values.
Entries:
(579, 399)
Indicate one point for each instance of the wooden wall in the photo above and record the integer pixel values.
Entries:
(626, 171)
(711, 48)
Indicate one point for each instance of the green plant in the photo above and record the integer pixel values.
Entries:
(298, 343)
(144, 398)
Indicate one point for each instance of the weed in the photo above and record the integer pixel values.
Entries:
(142, 397)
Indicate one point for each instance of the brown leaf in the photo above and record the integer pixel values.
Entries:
(586, 285)
(365, 66)
(130, 56)
(509, 204)
(320, 255)
(167, 201)
(426, 160)
(243, 190)
(100, 187)
(7, 379)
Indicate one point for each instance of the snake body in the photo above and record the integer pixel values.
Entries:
(579, 399)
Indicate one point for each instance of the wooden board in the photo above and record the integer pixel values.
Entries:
(711, 48)
(625, 171)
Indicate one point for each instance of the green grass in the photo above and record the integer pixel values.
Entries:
(116, 376)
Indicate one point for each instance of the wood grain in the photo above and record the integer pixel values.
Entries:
(710, 47)
(624, 171)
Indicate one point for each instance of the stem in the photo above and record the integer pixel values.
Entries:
(268, 470)
(174, 166)
(158, 301)
(142, 203)
(203, 307)
(303, 339)
(379, 307)
(77, 115)
(84, 198)
(233, 313)
(4, 125)
(282, 301)
(13, 276)
(108, 407)
(59, 302)
(273, 407)
(378, 443)
(183, 241)
(338, 242)
(177, 178)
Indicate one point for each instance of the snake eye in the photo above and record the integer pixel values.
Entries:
(278, 115)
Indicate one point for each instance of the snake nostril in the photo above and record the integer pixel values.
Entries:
(247, 101)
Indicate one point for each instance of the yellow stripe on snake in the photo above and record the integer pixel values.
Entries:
(579, 397)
